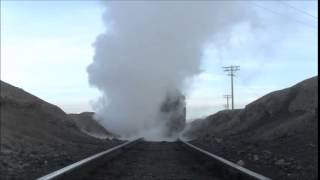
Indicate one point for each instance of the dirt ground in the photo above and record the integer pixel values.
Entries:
(32, 160)
(285, 159)
(276, 135)
(37, 137)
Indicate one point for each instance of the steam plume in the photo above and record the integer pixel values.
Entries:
(151, 49)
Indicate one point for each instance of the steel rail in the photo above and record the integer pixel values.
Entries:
(225, 168)
(76, 170)
(229, 169)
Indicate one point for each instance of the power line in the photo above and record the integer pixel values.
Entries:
(275, 12)
(227, 96)
(231, 69)
(297, 9)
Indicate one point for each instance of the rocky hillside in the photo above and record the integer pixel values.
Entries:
(276, 135)
(38, 137)
(87, 124)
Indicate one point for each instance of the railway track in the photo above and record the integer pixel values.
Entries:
(141, 160)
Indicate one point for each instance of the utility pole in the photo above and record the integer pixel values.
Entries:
(231, 69)
(227, 96)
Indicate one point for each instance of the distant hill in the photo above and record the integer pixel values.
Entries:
(283, 122)
(37, 136)
(87, 124)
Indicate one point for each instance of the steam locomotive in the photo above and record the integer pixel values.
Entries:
(174, 108)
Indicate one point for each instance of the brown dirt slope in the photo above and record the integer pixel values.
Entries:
(38, 137)
(276, 135)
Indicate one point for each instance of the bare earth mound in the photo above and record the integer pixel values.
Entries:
(276, 135)
(38, 137)
(86, 123)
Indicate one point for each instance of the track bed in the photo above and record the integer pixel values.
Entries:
(153, 160)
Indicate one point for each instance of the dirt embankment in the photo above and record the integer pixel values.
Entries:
(276, 135)
(86, 123)
(38, 137)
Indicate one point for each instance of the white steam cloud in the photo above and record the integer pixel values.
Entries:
(151, 49)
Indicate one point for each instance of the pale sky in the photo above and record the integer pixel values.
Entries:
(46, 47)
